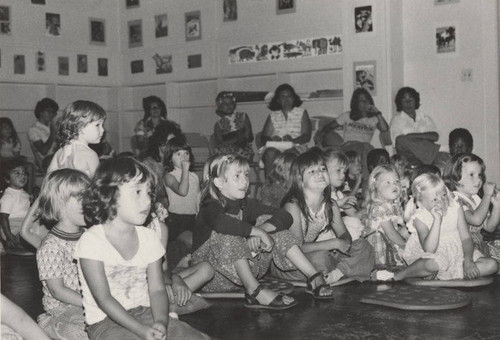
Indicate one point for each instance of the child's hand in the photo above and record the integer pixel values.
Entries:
(267, 241)
(185, 165)
(341, 245)
(489, 188)
(495, 199)
(13, 242)
(470, 270)
(347, 202)
(254, 243)
(267, 227)
(437, 211)
(179, 291)
(157, 331)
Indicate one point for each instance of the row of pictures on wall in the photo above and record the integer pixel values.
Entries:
(63, 64)
(164, 63)
(286, 50)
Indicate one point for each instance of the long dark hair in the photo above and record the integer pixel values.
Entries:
(173, 145)
(401, 93)
(361, 91)
(296, 194)
(7, 121)
(274, 105)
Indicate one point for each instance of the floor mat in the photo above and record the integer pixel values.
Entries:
(482, 281)
(418, 298)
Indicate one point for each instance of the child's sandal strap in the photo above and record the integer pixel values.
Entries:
(256, 291)
(311, 278)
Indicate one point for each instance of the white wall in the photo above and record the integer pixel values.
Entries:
(450, 101)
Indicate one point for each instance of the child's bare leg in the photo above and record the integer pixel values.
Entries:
(266, 296)
(197, 275)
(487, 266)
(419, 268)
(186, 237)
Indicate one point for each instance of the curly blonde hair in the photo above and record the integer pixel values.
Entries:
(75, 117)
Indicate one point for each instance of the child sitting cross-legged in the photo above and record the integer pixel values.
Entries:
(60, 210)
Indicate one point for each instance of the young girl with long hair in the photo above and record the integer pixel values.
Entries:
(60, 211)
(240, 252)
(119, 261)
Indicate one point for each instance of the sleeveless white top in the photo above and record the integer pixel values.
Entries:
(292, 125)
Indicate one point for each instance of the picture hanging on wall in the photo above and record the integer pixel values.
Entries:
(161, 25)
(19, 65)
(5, 20)
(446, 40)
(0, 57)
(81, 63)
(285, 6)
(444, 2)
(134, 33)
(63, 66)
(97, 31)
(286, 50)
(136, 66)
(194, 61)
(53, 24)
(102, 67)
(38, 2)
(365, 76)
(40, 61)
(163, 63)
(193, 25)
(230, 9)
(363, 19)
(131, 3)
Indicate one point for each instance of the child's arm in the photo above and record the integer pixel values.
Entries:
(159, 300)
(28, 221)
(477, 216)
(12, 242)
(180, 188)
(62, 293)
(357, 185)
(391, 232)
(87, 161)
(494, 218)
(17, 319)
(470, 269)
(348, 203)
(95, 276)
(429, 238)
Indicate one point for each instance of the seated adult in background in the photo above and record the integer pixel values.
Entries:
(41, 135)
(155, 112)
(233, 131)
(414, 134)
(359, 125)
(287, 122)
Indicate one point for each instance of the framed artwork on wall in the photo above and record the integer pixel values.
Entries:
(53, 24)
(136, 66)
(365, 75)
(363, 21)
(446, 40)
(134, 33)
(40, 61)
(63, 66)
(5, 20)
(193, 25)
(131, 3)
(19, 65)
(285, 6)
(161, 26)
(102, 67)
(230, 10)
(163, 63)
(97, 31)
(194, 61)
(444, 2)
(38, 2)
(81, 63)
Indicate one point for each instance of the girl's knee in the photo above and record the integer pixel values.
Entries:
(206, 270)
(431, 266)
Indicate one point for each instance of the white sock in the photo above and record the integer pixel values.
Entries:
(384, 275)
(333, 276)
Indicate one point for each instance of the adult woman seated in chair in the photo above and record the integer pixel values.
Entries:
(359, 125)
(287, 122)
(414, 133)
(155, 112)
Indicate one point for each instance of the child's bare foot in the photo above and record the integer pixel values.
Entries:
(318, 288)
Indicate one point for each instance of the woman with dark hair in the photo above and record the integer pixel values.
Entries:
(287, 122)
(155, 112)
(414, 133)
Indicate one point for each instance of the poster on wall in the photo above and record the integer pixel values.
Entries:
(286, 50)
(0, 57)
(131, 3)
(38, 2)
(40, 61)
(97, 31)
(136, 66)
(230, 9)
(194, 61)
(444, 2)
(53, 24)
(63, 66)
(134, 33)
(81, 63)
(193, 25)
(19, 66)
(4, 20)
(163, 63)
(365, 76)
(363, 19)
(161, 26)
(446, 40)
(285, 6)
(102, 67)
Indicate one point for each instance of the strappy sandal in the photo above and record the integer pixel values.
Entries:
(276, 304)
(316, 292)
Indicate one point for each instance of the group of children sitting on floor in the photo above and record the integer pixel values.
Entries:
(317, 220)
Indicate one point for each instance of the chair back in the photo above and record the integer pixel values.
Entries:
(200, 147)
